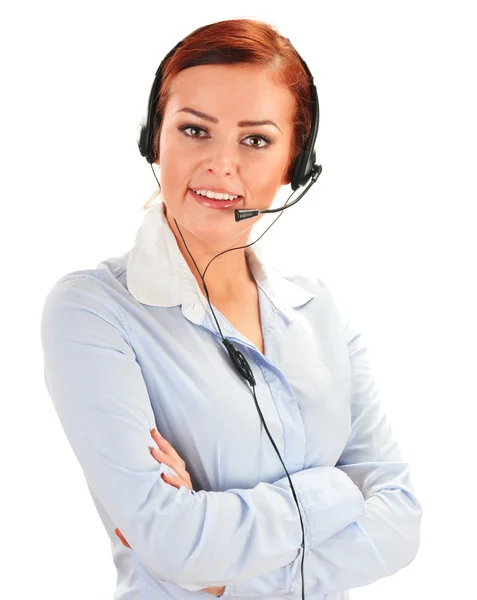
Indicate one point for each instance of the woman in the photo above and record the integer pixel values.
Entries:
(132, 345)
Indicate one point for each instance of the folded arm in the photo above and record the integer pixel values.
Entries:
(192, 539)
(386, 537)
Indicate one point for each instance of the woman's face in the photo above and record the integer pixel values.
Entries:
(217, 152)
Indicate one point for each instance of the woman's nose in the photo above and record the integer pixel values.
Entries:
(221, 157)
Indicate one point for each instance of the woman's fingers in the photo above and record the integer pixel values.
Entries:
(216, 591)
(165, 446)
(169, 455)
(171, 458)
(182, 474)
(176, 481)
(122, 538)
(169, 461)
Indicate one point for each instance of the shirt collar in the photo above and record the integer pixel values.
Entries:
(158, 275)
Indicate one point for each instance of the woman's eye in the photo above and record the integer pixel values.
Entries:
(193, 127)
(261, 141)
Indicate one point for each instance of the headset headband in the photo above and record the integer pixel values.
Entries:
(304, 164)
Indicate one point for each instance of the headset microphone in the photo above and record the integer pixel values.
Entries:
(241, 214)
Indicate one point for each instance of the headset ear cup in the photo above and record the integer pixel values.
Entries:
(143, 142)
(150, 149)
(309, 166)
(305, 161)
(141, 139)
(303, 168)
(297, 171)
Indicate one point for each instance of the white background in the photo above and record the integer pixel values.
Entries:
(390, 226)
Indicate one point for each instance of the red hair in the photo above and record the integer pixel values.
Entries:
(243, 41)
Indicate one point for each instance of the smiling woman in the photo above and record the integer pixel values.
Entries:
(230, 113)
(132, 345)
(213, 148)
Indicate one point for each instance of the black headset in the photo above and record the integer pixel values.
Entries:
(304, 165)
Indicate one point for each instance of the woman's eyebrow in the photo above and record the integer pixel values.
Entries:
(202, 115)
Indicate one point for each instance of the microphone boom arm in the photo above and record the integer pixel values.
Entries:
(241, 214)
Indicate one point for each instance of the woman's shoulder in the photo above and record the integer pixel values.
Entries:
(100, 291)
(105, 277)
(331, 293)
(309, 278)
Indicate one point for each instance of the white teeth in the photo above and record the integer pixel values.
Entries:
(217, 196)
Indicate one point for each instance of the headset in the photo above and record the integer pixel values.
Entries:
(304, 169)
(305, 163)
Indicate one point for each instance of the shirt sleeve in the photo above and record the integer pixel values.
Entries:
(192, 539)
(385, 538)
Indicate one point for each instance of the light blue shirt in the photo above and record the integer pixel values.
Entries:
(133, 345)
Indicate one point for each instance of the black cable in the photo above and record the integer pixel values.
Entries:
(241, 365)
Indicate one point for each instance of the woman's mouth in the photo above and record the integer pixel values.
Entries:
(213, 203)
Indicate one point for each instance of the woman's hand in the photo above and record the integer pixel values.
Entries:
(167, 455)
(172, 459)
